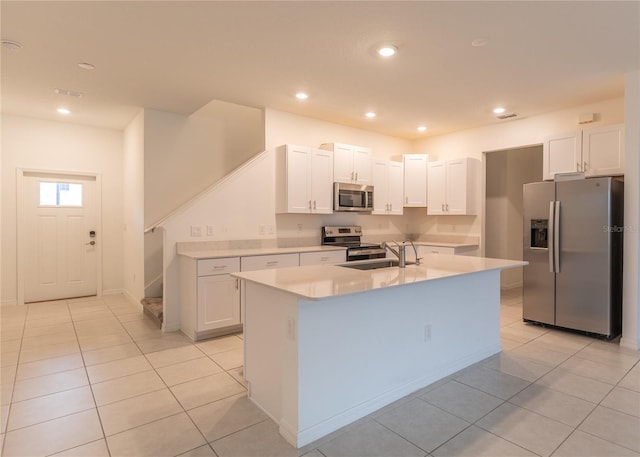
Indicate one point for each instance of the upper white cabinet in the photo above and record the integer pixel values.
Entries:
(351, 164)
(451, 187)
(415, 179)
(596, 152)
(304, 180)
(387, 177)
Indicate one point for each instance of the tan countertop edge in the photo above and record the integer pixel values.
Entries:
(446, 245)
(317, 282)
(220, 253)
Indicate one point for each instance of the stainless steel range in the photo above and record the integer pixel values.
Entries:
(350, 237)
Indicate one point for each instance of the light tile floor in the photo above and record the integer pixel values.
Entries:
(93, 377)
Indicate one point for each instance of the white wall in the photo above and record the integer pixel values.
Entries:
(506, 172)
(184, 155)
(47, 145)
(133, 209)
(631, 297)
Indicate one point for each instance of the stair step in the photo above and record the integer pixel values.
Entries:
(153, 308)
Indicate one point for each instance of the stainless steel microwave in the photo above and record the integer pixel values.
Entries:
(352, 197)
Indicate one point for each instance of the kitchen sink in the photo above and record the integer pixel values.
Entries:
(374, 265)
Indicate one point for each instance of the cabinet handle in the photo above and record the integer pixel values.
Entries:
(356, 176)
(585, 167)
(324, 259)
(390, 207)
(578, 166)
(406, 199)
(447, 206)
(273, 262)
(309, 204)
(219, 267)
(443, 207)
(237, 283)
(352, 176)
(314, 204)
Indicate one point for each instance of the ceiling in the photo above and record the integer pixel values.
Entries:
(177, 56)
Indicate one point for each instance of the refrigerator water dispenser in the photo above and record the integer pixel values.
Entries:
(539, 233)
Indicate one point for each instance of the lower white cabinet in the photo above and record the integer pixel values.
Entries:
(209, 297)
(271, 261)
(323, 257)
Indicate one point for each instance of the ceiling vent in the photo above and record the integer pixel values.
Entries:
(506, 115)
(70, 93)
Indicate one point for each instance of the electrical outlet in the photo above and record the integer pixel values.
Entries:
(299, 227)
(261, 229)
(196, 230)
(271, 229)
(210, 231)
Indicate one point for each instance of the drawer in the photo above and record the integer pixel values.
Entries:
(208, 267)
(436, 250)
(323, 257)
(265, 262)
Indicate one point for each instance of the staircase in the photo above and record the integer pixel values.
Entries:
(153, 308)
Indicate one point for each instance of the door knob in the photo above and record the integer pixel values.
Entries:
(92, 243)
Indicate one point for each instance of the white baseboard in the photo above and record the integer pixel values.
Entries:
(9, 302)
(630, 343)
(112, 291)
(132, 299)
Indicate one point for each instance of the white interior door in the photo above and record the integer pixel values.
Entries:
(60, 236)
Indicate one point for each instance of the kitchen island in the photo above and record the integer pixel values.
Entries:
(326, 345)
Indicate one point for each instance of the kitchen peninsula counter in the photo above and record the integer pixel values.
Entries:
(327, 345)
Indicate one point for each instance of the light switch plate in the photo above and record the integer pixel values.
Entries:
(196, 230)
(210, 231)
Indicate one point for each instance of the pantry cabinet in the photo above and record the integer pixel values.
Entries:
(451, 187)
(387, 178)
(415, 179)
(595, 152)
(304, 180)
(351, 164)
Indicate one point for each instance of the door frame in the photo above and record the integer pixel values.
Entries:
(21, 223)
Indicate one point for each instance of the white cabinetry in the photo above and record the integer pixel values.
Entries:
(323, 257)
(387, 178)
(596, 152)
(210, 297)
(304, 180)
(415, 179)
(451, 187)
(271, 261)
(351, 164)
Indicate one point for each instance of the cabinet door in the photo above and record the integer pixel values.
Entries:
(380, 187)
(395, 189)
(415, 180)
(436, 187)
(218, 302)
(362, 159)
(561, 154)
(298, 182)
(322, 181)
(456, 202)
(603, 151)
(343, 163)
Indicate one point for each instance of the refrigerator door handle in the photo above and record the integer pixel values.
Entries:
(556, 237)
(551, 237)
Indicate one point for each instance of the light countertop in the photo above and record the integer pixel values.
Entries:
(220, 253)
(446, 245)
(316, 282)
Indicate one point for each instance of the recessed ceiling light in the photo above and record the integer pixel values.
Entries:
(387, 50)
(302, 96)
(422, 128)
(63, 111)
(499, 110)
(11, 45)
(370, 114)
(86, 66)
(479, 42)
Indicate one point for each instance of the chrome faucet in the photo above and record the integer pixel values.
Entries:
(401, 253)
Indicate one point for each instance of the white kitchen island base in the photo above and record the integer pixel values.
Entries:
(315, 364)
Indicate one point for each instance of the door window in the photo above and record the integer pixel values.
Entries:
(60, 194)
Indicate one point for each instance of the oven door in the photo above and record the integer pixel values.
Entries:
(352, 197)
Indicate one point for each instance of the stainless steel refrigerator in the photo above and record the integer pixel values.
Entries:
(573, 232)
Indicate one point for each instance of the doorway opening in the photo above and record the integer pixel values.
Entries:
(507, 171)
(58, 234)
